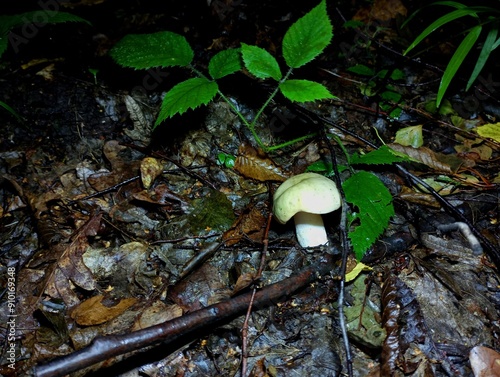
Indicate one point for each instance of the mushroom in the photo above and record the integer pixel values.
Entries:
(305, 197)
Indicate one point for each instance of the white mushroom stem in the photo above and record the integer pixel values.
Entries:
(310, 229)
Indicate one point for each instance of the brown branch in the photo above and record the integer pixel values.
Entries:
(103, 348)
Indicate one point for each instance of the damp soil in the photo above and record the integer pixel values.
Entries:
(96, 249)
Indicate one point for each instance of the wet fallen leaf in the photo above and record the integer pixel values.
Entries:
(491, 130)
(250, 224)
(93, 312)
(254, 165)
(151, 168)
(437, 161)
(243, 282)
(484, 361)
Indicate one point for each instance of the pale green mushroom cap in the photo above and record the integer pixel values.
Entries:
(307, 192)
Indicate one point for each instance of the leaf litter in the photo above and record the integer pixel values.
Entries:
(130, 257)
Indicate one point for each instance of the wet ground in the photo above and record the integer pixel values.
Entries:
(109, 227)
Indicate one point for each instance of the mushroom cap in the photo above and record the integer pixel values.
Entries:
(307, 192)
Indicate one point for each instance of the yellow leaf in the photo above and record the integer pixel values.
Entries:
(353, 274)
(491, 130)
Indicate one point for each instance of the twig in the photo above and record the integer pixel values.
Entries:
(174, 331)
(345, 253)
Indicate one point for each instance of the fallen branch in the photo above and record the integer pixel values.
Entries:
(106, 347)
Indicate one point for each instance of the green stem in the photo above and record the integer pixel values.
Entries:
(290, 142)
(273, 94)
(245, 122)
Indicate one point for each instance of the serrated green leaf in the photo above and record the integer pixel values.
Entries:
(144, 51)
(380, 156)
(363, 70)
(186, 95)
(304, 90)
(307, 37)
(9, 22)
(456, 61)
(260, 63)
(374, 201)
(225, 63)
(410, 136)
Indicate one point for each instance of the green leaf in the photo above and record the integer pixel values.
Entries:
(380, 156)
(13, 112)
(410, 136)
(144, 51)
(438, 23)
(374, 201)
(491, 130)
(188, 94)
(488, 47)
(389, 95)
(260, 63)
(225, 63)
(4, 43)
(307, 37)
(456, 61)
(304, 90)
(363, 70)
(7, 23)
(397, 74)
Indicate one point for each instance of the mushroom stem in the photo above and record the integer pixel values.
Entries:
(310, 229)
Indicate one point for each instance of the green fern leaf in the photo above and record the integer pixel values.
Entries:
(144, 51)
(188, 94)
(307, 37)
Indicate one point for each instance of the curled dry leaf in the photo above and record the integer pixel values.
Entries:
(151, 168)
(94, 312)
(252, 164)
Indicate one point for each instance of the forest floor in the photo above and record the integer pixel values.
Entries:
(108, 226)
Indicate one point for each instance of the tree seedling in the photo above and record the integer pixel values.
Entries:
(304, 41)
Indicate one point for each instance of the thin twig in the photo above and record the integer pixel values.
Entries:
(345, 253)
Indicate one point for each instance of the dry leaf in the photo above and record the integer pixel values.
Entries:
(94, 312)
(250, 224)
(251, 164)
(150, 170)
(438, 161)
(243, 282)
